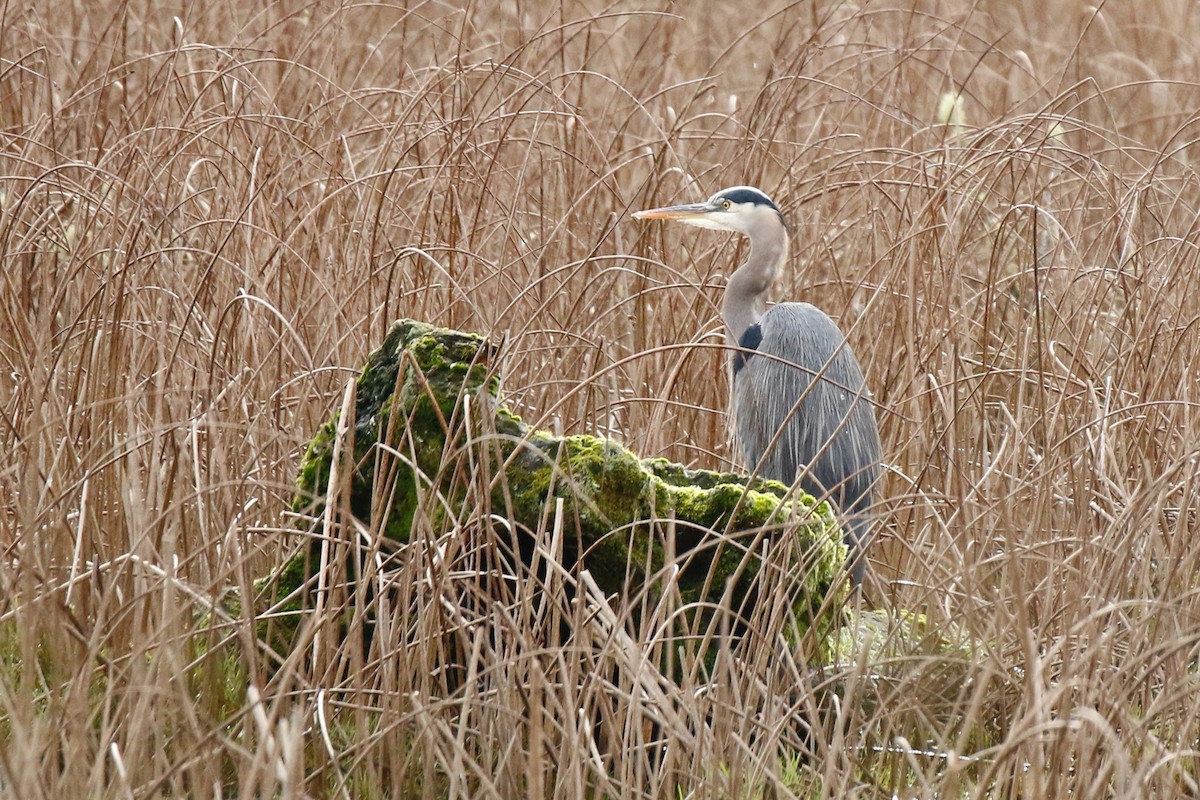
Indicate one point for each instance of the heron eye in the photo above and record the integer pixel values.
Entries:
(725, 204)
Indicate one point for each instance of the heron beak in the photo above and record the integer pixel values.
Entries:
(684, 212)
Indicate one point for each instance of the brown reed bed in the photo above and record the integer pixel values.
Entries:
(210, 213)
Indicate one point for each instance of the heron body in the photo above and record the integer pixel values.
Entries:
(801, 409)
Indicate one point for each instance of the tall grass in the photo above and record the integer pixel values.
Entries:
(211, 212)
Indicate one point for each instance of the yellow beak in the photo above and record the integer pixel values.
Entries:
(688, 211)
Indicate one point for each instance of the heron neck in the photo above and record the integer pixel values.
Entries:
(746, 291)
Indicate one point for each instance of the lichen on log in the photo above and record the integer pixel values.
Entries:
(428, 422)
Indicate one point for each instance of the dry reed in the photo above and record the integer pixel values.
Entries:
(210, 212)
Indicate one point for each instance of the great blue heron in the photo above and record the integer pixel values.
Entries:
(800, 405)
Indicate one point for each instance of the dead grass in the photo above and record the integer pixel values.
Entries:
(210, 213)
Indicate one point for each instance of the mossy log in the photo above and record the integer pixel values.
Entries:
(427, 443)
(428, 423)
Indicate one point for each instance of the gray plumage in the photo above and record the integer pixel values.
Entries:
(800, 404)
(801, 413)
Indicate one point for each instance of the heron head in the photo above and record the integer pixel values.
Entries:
(741, 209)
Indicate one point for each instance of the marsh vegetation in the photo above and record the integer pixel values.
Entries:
(210, 213)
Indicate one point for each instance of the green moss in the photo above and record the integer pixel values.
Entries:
(674, 474)
(314, 466)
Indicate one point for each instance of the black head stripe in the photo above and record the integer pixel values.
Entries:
(747, 195)
(751, 339)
